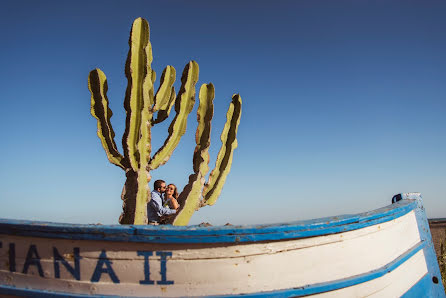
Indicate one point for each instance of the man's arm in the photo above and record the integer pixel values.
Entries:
(157, 205)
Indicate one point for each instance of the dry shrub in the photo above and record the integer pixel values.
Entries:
(442, 261)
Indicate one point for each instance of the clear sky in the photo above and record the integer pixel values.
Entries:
(343, 104)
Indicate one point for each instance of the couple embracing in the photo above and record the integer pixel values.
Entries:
(163, 202)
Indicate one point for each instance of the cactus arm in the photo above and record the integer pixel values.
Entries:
(151, 59)
(97, 84)
(189, 199)
(217, 178)
(190, 195)
(183, 106)
(163, 95)
(137, 67)
(163, 114)
(205, 113)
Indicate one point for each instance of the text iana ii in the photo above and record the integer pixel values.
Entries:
(102, 267)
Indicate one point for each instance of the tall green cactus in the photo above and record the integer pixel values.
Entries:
(141, 105)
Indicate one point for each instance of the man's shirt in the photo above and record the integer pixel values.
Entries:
(155, 208)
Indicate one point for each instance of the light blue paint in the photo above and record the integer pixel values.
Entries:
(434, 289)
(10, 290)
(423, 288)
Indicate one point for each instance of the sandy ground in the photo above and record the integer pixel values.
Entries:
(438, 231)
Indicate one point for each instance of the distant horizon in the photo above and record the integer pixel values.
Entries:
(437, 219)
(441, 220)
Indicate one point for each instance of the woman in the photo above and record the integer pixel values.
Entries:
(171, 196)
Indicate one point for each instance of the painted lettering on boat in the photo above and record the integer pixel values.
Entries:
(72, 265)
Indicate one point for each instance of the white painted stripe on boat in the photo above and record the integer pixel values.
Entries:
(422, 288)
(217, 270)
(393, 284)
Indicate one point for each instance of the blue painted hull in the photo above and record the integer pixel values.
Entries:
(170, 246)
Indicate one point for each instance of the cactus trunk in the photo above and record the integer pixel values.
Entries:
(128, 197)
(134, 196)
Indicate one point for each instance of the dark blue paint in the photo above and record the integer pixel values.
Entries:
(75, 272)
(11, 254)
(147, 280)
(163, 271)
(196, 234)
(103, 260)
(32, 258)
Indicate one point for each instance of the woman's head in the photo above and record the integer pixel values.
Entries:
(172, 190)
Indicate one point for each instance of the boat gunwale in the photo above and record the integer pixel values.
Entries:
(199, 234)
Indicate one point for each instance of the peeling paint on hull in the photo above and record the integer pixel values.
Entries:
(387, 252)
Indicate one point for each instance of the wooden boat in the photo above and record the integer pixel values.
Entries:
(383, 253)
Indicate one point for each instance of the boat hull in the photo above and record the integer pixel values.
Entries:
(384, 253)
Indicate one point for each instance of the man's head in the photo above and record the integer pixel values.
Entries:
(159, 186)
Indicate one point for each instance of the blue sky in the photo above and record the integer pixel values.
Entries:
(343, 104)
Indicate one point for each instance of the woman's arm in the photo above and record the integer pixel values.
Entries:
(173, 203)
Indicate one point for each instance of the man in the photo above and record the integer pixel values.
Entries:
(155, 208)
